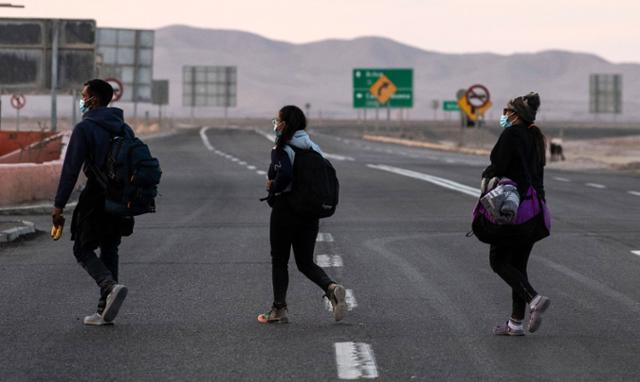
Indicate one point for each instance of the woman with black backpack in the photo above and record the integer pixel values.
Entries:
(289, 229)
(519, 155)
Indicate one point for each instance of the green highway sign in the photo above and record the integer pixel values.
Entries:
(450, 106)
(381, 88)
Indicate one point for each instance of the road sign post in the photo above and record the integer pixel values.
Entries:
(18, 101)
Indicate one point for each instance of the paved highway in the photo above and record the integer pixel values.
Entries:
(423, 298)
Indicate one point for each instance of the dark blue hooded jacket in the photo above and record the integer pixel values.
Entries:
(89, 143)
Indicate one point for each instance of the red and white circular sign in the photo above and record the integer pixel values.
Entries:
(18, 101)
(118, 88)
(478, 96)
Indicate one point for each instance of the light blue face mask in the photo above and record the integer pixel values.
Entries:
(83, 107)
(504, 122)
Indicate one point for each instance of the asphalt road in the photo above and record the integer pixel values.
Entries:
(424, 299)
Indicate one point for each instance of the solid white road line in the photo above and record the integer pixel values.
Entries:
(595, 185)
(205, 140)
(329, 261)
(636, 193)
(355, 360)
(326, 237)
(442, 182)
(637, 253)
(560, 179)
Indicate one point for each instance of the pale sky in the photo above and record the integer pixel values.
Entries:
(610, 29)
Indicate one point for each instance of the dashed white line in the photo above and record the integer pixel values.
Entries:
(260, 172)
(326, 237)
(637, 253)
(442, 182)
(595, 185)
(350, 300)
(251, 167)
(339, 157)
(355, 360)
(560, 179)
(636, 193)
(329, 261)
(242, 163)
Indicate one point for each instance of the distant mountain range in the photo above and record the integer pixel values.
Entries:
(273, 73)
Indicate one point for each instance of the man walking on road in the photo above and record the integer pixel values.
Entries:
(91, 227)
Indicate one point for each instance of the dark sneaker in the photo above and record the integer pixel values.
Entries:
(274, 316)
(337, 297)
(96, 320)
(114, 302)
(535, 313)
(506, 330)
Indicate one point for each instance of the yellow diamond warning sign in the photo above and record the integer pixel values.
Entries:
(383, 89)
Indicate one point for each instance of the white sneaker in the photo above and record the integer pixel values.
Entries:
(114, 301)
(96, 320)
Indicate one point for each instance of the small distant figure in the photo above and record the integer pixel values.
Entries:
(555, 148)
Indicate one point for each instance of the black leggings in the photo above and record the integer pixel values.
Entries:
(287, 231)
(510, 263)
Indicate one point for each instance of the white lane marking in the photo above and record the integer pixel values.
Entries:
(349, 299)
(449, 160)
(251, 167)
(326, 237)
(355, 360)
(329, 261)
(442, 182)
(595, 185)
(636, 193)
(597, 286)
(637, 253)
(234, 159)
(205, 139)
(339, 157)
(560, 179)
(242, 163)
(260, 172)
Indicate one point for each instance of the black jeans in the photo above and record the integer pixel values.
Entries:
(510, 263)
(287, 231)
(103, 269)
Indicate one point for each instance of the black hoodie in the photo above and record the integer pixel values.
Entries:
(515, 146)
(89, 143)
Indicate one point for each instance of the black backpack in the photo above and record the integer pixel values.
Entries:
(315, 187)
(130, 176)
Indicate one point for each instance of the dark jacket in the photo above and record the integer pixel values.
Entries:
(280, 171)
(89, 143)
(516, 145)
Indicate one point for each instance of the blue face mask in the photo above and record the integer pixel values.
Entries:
(504, 122)
(83, 107)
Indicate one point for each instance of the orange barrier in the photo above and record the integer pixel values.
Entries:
(15, 140)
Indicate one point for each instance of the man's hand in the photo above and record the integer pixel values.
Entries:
(269, 183)
(56, 217)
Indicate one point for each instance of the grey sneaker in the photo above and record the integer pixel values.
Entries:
(114, 302)
(274, 316)
(535, 313)
(505, 330)
(96, 320)
(337, 297)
